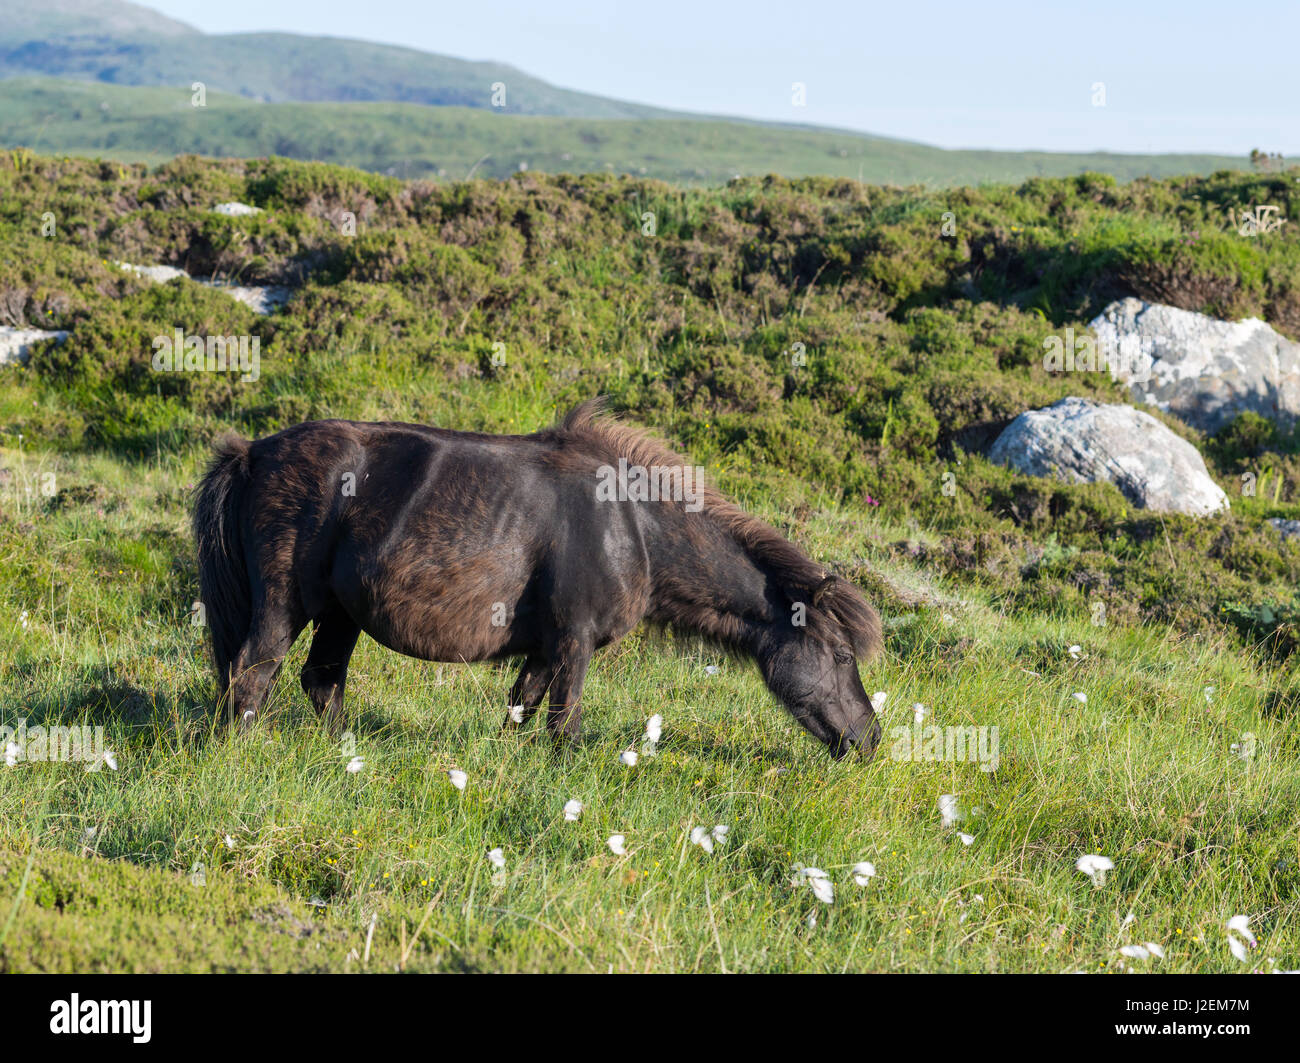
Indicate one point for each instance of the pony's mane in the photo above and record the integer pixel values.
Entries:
(831, 601)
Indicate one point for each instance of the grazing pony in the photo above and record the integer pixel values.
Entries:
(462, 546)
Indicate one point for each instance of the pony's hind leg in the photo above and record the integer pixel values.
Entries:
(527, 693)
(274, 628)
(325, 674)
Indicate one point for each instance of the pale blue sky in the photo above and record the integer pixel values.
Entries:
(1180, 75)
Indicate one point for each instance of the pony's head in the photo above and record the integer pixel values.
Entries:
(811, 665)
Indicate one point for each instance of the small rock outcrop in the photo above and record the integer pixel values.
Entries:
(262, 299)
(1202, 370)
(1082, 441)
(1288, 529)
(235, 210)
(16, 343)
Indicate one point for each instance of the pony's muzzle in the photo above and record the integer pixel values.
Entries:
(864, 742)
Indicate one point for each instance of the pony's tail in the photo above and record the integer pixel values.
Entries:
(219, 507)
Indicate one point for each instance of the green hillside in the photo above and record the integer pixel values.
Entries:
(410, 140)
(111, 42)
(834, 359)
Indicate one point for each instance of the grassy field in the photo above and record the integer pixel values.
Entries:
(412, 140)
(1141, 772)
(915, 346)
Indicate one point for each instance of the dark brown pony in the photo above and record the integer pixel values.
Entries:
(460, 546)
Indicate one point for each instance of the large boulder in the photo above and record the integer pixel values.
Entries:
(1087, 442)
(1202, 370)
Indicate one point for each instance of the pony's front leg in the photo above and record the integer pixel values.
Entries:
(527, 693)
(564, 717)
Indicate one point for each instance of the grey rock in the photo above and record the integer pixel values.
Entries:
(1202, 370)
(161, 274)
(1082, 441)
(263, 299)
(235, 210)
(1288, 529)
(16, 343)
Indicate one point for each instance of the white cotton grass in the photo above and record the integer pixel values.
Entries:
(966, 839)
(1095, 867)
(878, 700)
(628, 758)
(497, 858)
(617, 844)
(457, 778)
(919, 712)
(1240, 924)
(1146, 951)
(654, 730)
(949, 813)
(1075, 651)
(516, 713)
(110, 758)
(863, 872)
(818, 881)
(230, 842)
(354, 765)
(12, 752)
(711, 669)
(1245, 749)
(706, 838)
(1209, 695)
(1080, 697)
(1240, 937)
(572, 810)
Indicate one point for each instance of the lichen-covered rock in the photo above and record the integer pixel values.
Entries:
(262, 299)
(161, 274)
(1087, 442)
(1202, 370)
(235, 209)
(15, 343)
(1288, 529)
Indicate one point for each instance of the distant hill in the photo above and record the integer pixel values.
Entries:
(110, 78)
(409, 140)
(117, 43)
(43, 20)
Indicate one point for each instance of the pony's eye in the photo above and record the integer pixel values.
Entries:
(843, 657)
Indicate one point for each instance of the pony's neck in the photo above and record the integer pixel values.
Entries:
(705, 582)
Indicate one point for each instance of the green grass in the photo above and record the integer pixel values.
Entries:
(411, 140)
(1142, 773)
(913, 344)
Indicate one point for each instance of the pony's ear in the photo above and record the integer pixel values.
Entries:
(820, 592)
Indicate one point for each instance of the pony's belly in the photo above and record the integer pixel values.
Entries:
(439, 627)
(441, 646)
